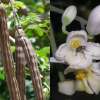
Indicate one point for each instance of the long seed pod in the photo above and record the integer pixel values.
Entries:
(20, 68)
(32, 63)
(7, 57)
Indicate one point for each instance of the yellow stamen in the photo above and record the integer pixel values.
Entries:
(75, 43)
(81, 74)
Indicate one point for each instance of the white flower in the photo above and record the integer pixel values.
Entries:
(76, 60)
(68, 16)
(77, 52)
(86, 81)
(93, 25)
(69, 52)
(76, 39)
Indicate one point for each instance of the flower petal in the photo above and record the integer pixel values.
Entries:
(93, 25)
(96, 68)
(78, 60)
(66, 87)
(79, 85)
(94, 82)
(93, 49)
(81, 35)
(61, 52)
(87, 87)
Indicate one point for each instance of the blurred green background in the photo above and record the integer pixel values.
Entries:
(34, 17)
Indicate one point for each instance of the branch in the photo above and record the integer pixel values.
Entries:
(12, 39)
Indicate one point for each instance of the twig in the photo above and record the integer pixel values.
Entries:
(55, 9)
(12, 39)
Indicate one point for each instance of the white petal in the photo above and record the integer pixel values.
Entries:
(93, 49)
(69, 15)
(80, 33)
(79, 85)
(93, 25)
(78, 60)
(87, 87)
(67, 87)
(94, 82)
(61, 52)
(96, 68)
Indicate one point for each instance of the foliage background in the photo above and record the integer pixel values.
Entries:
(34, 17)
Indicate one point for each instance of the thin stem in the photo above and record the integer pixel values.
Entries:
(52, 41)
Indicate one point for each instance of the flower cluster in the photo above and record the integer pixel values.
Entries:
(81, 55)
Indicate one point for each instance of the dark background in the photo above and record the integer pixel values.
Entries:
(84, 7)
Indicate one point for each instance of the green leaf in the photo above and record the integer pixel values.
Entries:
(12, 48)
(19, 4)
(2, 74)
(39, 31)
(44, 51)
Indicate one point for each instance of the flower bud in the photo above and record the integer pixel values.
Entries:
(93, 25)
(68, 16)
